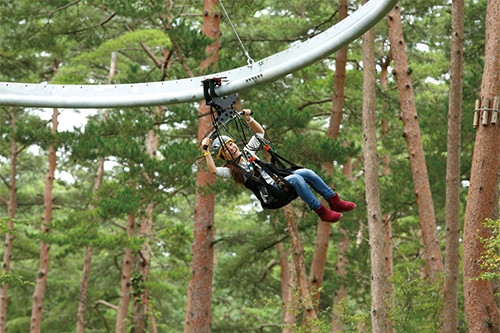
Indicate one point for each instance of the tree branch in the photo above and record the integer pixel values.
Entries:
(109, 305)
(5, 181)
(321, 101)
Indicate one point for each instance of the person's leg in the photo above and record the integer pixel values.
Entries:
(319, 185)
(300, 186)
(316, 182)
(305, 193)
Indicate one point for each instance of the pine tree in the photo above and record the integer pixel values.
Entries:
(199, 298)
(482, 312)
(452, 253)
(413, 137)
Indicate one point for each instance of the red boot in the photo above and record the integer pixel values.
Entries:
(327, 215)
(338, 205)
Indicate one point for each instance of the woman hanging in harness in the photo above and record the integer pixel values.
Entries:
(237, 168)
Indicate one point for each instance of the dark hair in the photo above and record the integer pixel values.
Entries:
(237, 172)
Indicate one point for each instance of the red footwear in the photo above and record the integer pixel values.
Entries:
(338, 205)
(327, 215)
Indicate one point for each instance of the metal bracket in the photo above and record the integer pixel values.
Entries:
(223, 106)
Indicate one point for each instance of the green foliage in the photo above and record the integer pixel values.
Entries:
(13, 280)
(117, 201)
(92, 66)
(490, 259)
(417, 302)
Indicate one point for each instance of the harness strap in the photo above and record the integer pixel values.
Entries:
(279, 180)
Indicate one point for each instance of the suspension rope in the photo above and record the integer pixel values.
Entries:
(250, 61)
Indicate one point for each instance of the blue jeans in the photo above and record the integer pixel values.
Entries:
(303, 177)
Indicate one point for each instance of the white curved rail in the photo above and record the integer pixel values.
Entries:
(191, 89)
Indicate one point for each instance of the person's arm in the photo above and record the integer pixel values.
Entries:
(212, 168)
(254, 125)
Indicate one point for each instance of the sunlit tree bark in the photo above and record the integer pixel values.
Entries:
(482, 312)
(413, 138)
(306, 301)
(199, 298)
(375, 221)
(11, 213)
(43, 270)
(452, 253)
(125, 281)
(324, 229)
(87, 260)
(386, 171)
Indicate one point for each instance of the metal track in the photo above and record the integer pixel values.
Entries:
(188, 90)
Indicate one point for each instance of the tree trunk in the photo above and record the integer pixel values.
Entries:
(339, 82)
(389, 269)
(452, 252)
(141, 299)
(87, 261)
(341, 294)
(480, 308)
(319, 261)
(415, 148)
(141, 305)
(372, 188)
(126, 281)
(289, 303)
(338, 100)
(43, 270)
(288, 288)
(84, 286)
(199, 295)
(11, 213)
(386, 171)
(306, 302)
(199, 309)
(324, 229)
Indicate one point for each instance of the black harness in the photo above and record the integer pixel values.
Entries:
(271, 196)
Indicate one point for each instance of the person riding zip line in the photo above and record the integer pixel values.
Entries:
(226, 149)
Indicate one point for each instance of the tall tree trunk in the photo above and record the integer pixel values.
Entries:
(375, 223)
(289, 304)
(141, 300)
(11, 213)
(389, 269)
(415, 148)
(339, 82)
(324, 229)
(452, 252)
(199, 296)
(386, 171)
(288, 287)
(84, 286)
(87, 261)
(341, 294)
(43, 270)
(319, 261)
(306, 301)
(199, 299)
(125, 283)
(480, 308)
(141, 305)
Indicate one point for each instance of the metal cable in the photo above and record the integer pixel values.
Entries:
(250, 61)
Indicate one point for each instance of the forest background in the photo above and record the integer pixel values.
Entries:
(121, 201)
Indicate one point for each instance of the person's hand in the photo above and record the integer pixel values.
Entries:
(246, 114)
(206, 143)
